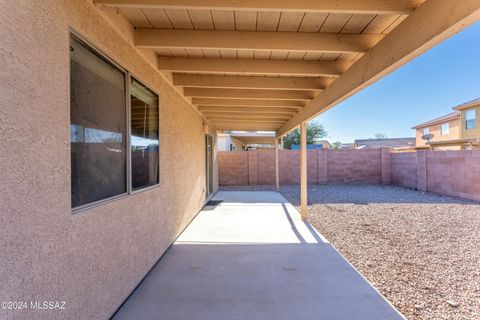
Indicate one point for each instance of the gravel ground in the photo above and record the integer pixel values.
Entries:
(420, 250)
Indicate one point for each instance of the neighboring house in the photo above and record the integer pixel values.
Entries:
(347, 146)
(316, 145)
(225, 142)
(324, 143)
(453, 131)
(398, 144)
(245, 140)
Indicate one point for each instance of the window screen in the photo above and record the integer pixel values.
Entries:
(470, 119)
(144, 135)
(97, 126)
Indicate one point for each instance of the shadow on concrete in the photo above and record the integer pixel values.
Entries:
(261, 281)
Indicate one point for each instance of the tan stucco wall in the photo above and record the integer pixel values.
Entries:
(454, 132)
(470, 133)
(93, 259)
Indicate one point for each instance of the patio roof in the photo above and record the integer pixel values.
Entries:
(271, 65)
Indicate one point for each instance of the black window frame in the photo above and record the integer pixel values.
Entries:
(128, 76)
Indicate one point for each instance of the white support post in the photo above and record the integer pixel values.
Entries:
(303, 170)
(277, 179)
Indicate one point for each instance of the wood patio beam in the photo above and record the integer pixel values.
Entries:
(249, 93)
(247, 120)
(249, 110)
(298, 104)
(255, 40)
(247, 115)
(232, 82)
(251, 66)
(303, 171)
(429, 24)
(327, 6)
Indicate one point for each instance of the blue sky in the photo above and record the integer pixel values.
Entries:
(425, 88)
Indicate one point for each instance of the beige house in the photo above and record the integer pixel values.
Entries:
(110, 111)
(457, 130)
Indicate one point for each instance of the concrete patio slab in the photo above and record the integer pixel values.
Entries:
(252, 257)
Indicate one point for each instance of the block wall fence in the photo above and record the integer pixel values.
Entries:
(453, 173)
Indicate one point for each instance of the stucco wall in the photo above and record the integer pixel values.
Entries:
(93, 259)
(454, 132)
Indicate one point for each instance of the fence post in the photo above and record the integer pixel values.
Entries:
(322, 166)
(422, 171)
(252, 168)
(386, 166)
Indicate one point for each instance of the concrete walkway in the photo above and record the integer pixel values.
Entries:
(252, 257)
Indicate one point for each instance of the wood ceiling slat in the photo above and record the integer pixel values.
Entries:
(347, 56)
(290, 21)
(262, 54)
(380, 23)
(178, 52)
(158, 18)
(339, 6)
(312, 22)
(228, 54)
(357, 23)
(201, 19)
(179, 18)
(250, 110)
(395, 23)
(223, 20)
(245, 20)
(267, 21)
(335, 22)
(330, 56)
(211, 53)
(313, 56)
(136, 17)
(249, 102)
(245, 54)
(295, 55)
(279, 55)
(195, 53)
(163, 52)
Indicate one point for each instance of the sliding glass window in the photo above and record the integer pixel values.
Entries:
(144, 135)
(108, 157)
(97, 127)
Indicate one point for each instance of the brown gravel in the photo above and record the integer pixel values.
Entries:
(422, 251)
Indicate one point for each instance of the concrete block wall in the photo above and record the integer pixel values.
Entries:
(324, 166)
(404, 169)
(233, 168)
(354, 166)
(454, 173)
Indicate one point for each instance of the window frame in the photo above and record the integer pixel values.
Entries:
(128, 76)
(474, 111)
(446, 132)
(425, 131)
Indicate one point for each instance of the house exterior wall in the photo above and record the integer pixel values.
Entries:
(455, 132)
(224, 141)
(470, 133)
(91, 260)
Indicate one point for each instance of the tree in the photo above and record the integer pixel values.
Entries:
(314, 131)
(380, 136)
(336, 145)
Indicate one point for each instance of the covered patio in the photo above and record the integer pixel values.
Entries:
(251, 256)
(273, 66)
(79, 227)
